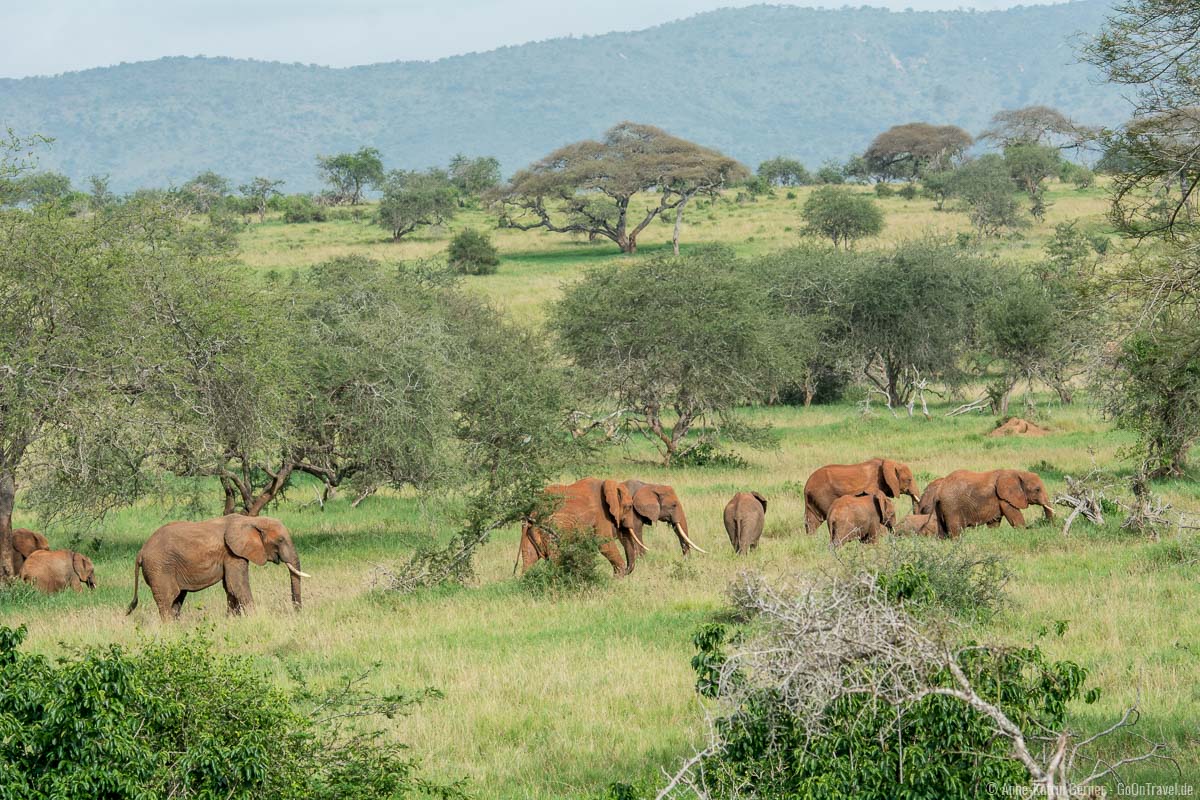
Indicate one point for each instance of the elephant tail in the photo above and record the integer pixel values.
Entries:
(137, 569)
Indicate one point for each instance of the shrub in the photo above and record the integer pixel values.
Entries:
(841, 215)
(923, 575)
(176, 720)
(576, 565)
(908, 191)
(706, 454)
(471, 252)
(299, 208)
(883, 190)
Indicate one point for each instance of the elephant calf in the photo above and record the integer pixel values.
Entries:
(54, 570)
(861, 517)
(24, 543)
(922, 524)
(744, 517)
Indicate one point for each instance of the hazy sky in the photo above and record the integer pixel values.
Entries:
(63, 35)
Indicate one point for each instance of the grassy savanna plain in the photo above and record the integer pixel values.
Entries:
(557, 697)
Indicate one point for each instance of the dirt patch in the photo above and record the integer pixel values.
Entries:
(1019, 427)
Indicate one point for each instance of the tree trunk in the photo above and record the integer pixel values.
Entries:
(8, 498)
(678, 224)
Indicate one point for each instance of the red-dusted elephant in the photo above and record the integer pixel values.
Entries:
(54, 570)
(966, 499)
(657, 502)
(862, 517)
(827, 484)
(744, 517)
(24, 543)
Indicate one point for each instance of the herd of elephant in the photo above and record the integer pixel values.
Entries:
(856, 500)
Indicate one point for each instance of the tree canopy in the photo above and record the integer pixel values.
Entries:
(589, 187)
(904, 151)
(348, 175)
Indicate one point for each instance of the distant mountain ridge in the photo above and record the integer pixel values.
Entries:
(754, 82)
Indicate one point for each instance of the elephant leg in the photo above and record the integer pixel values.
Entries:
(177, 604)
(610, 551)
(237, 587)
(812, 517)
(1013, 515)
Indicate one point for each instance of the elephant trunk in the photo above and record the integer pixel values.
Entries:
(685, 542)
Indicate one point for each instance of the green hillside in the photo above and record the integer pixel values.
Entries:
(753, 82)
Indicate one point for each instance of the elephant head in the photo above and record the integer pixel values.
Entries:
(618, 501)
(1021, 489)
(659, 503)
(898, 479)
(886, 510)
(263, 539)
(24, 543)
(84, 569)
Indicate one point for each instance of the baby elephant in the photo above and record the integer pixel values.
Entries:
(744, 516)
(54, 570)
(922, 524)
(862, 517)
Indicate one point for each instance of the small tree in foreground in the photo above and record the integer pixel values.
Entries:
(415, 199)
(673, 343)
(471, 252)
(841, 215)
(986, 189)
(845, 688)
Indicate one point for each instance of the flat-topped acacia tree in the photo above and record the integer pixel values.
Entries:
(589, 187)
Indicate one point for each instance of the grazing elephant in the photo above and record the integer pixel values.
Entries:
(862, 517)
(54, 570)
(588, 504)
(182, 557)
(921, 524)
(24, 543)
(744, 517)
(657, 502)
(827, 484)
(966, 499)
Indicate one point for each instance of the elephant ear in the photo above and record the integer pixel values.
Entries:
(880, 507)
(244, 540)
(761, 499)
(80, 564)
(616, 499)
(1010, 489)
(889, 478)
(27, 542)
(645, 503)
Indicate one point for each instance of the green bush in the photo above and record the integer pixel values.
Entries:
(939, 747)
(908, 191)
(707, 454)
(176, 720)
(471, 252)
(299, 208)
(883, 190)
(575, 566)
(927, 575)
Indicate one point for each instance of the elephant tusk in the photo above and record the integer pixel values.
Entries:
(689, 542)
(297, 572)
(640, 543)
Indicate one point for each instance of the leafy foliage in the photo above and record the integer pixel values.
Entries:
(841, 215)
(471, 252)
(174, 720)
(415, 199)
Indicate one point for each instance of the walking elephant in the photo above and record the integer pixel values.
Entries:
(744, 518)
(602, 507)
(54, 570)
(827, 484)
(862, 517)
(967, 499)
(657, 502)
(24, 543)
(182, 557)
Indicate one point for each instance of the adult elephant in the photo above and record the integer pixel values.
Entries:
(24, 543)
(54, 570)
(967, 499)
(657, 502)
(744, 518)
(927, 503)
(182, 557)
(601, 507)
(827, 484)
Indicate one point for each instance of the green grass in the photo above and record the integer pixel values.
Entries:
(554, 697)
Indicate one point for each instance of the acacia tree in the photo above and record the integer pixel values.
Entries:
(673, 343)
(590, 187)
(904, 151)
(258, 192)
(1037, 124)
(349, 174)
(474, 176)
(82, 370)
(414, 199)
(842, 215)
(783, 171)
